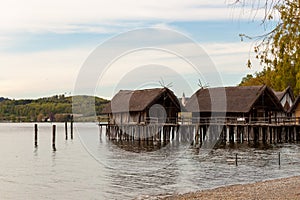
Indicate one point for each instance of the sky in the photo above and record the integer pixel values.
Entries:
(45, 44)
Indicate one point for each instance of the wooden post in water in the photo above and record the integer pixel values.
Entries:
(231, 133)
(279, 158)
(236, 159)
(53, 137)
(297, 133)
(271, 134)
(71, 129)
(238, 133)
(100, 132)
(66, 129)
(35, 135)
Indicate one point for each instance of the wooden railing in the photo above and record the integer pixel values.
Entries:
(214, 120)
(240, 120)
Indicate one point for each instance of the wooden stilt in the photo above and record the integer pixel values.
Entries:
(72, 130)
(53, 137)
(66, 129)
(35, 135)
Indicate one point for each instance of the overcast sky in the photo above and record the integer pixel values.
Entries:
(43, 44)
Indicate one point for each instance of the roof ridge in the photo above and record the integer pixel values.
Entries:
(242, 86)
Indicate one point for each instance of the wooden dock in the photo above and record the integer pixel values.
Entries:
(206, 131)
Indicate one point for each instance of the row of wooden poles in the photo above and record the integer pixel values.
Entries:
(200, 133)
(53, 134)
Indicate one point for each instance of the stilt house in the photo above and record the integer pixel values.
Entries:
(244, 103)
(158, 105)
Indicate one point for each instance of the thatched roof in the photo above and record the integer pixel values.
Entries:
(279, 95)
(295, 104)
(137, 100)
(230, 99)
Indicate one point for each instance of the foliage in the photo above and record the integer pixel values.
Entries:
(279, 50)
(55, 108)
(2, 99)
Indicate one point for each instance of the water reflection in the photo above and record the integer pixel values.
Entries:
(128, 169)
(139, 146)
(35, 151)
(53, 158)
(245, 145)
(137, 168)
(248, 154)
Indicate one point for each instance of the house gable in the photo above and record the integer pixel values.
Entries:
(286, 98)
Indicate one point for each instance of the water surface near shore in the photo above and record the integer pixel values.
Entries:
(95, 168)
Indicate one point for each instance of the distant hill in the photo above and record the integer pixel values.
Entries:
(55, 108)
(3, 99)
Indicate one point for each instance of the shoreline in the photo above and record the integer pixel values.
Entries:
(282, 188)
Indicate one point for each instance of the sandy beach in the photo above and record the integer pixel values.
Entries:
(285, 188)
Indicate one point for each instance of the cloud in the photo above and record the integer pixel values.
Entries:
(232, 57)
(105, 16)
(48, 72)
(40, 73)
(6, 41)
(229, 59)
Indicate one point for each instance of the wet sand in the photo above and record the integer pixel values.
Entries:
(285, 188)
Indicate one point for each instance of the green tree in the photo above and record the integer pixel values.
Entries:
(279, 49)
(58, 107)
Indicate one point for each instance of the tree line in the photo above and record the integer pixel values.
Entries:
(56, 108)
(279, 49)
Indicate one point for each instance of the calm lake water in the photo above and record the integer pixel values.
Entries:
(91, 167)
